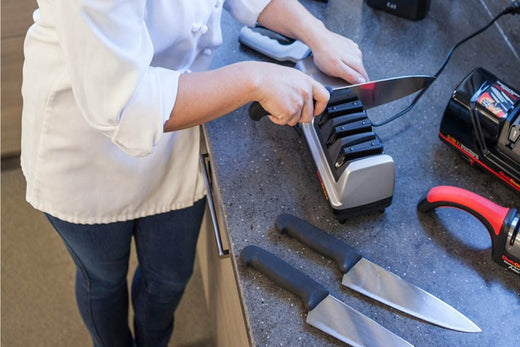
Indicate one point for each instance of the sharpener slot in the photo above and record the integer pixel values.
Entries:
(345, 132)
(340, 102)
(348, 129)
(332, 123)
(348, 153)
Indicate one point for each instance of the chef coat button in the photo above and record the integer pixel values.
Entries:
(203, 29)
(218, 4)
(196, 27)
(207, 51)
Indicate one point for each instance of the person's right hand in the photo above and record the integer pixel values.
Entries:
(290, 96)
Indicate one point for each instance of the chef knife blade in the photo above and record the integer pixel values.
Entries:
(371, 94)
(325, 311)
(374, 281)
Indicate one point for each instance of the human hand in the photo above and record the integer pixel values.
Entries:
(338, 56)
(290, 96)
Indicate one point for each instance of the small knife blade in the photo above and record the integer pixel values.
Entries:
(326, 312)
(374, 281)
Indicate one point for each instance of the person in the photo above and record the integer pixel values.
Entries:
(113, 94)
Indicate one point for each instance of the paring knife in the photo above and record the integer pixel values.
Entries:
(326, 312)
(374, 281)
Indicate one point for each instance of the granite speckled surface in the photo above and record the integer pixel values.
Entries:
(264, 170)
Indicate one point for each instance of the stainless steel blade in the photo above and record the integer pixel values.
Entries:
(348, 325)
(373, 93)
(376, 282)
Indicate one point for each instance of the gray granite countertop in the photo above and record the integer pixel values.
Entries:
(264, 170)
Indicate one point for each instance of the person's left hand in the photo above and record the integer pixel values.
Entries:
(340, 57)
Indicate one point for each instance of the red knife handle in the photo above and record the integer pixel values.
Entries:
(501, 222)
(487, 212)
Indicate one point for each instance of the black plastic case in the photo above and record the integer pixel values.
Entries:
(482, 122)
(411, 9)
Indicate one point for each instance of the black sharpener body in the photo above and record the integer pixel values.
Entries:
(482, 123)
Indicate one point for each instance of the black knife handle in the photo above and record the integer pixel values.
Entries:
(344, 255)
(256, 111)
(286, 276)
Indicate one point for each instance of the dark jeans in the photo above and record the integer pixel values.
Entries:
(165, 246)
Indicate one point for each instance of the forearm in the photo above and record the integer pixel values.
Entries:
(286, 94)
(333, 54)
(291, 19)
(204, 96)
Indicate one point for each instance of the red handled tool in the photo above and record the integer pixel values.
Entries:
(502, 223)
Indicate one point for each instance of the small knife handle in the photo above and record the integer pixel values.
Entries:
(319, 240)
(286, 276)
(490, 214)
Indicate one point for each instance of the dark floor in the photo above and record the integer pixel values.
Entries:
(38, 305)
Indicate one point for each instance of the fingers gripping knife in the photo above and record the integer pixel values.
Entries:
(502, 223)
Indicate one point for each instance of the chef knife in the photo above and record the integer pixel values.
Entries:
(374, 281)
(371, 94)
(326, 312)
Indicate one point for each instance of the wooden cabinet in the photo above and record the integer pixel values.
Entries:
(220, 282)
(16, 19)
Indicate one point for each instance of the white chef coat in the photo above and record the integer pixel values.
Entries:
(100, 79)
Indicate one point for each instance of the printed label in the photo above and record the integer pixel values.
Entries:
(498, 99)
(511, 265)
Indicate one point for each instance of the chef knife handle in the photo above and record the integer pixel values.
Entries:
(286, 276)
(256, 111)
(319, 240)
(490, 214)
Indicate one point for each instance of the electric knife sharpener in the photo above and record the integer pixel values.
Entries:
(482, 123)
(355, 175)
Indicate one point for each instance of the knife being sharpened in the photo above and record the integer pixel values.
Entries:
(374, 281)
(371, 94)
(325, 311)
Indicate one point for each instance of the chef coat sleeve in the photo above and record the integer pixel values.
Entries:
(108, 52)
(246, 11)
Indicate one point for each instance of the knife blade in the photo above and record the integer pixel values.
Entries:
(371, 94)
(326, 312)
(374, 281)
